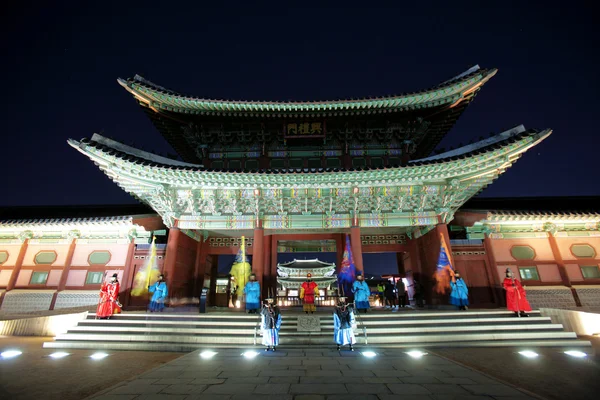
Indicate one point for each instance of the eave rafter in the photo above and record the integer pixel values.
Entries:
(420, 192)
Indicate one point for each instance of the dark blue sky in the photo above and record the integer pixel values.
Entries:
(60, 65)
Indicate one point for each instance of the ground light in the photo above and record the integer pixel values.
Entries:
(98, 356)
(576, 353)
(10, 354)
(369, 354)
(529, 353)
(416, 353)
(58, 354)
(250, 354)
(208, 354)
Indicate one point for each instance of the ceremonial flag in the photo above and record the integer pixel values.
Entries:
(347, 270)
(445, 270)
(147, 275)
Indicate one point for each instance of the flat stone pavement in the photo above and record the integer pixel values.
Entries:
(318, 374)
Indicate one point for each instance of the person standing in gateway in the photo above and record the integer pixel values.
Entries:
(361, 291)
(308, 291)
(252, 292)
(159, 294)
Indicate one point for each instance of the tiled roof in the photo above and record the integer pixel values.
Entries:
(445, 93)
(148, 160)
(68, 221)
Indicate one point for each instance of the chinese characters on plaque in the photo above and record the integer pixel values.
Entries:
(304, 129)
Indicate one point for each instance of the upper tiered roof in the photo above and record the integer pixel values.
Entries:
(196, 125)
(450, 92)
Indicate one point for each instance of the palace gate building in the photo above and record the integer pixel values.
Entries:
(286, 174)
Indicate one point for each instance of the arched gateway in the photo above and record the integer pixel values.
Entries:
(302, 171)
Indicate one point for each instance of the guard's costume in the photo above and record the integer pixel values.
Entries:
(343, 324)
(361, 291)
(109, 299)
(516, 299)
(308, 291)
(252, 291)
(159, 295)
(459, 294)
(270, 317)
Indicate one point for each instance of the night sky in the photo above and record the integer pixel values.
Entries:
(60, 65)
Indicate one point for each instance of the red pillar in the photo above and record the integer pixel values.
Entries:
(200, 266)
(562, 269)
(400, 263)
(273, 257)
(169, 266)
(356, 245)
(65, 273)
(128, 273)
(340, 244)
(258, 258)
(271, 278)
(492, 270)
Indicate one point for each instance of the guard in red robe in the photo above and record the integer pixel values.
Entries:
(308, 290)
(109, 299)
(516, 299)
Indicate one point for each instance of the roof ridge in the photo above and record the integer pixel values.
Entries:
(462, 76)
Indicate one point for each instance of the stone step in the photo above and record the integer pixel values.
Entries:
(563, 344)
(378, 314)
(318, 337)
(285, 330)
(324, 322)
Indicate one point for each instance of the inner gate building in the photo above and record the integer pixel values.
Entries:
(287, 174)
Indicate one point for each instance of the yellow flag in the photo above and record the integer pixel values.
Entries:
(147, 275)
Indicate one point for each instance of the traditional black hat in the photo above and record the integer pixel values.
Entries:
(115, 275)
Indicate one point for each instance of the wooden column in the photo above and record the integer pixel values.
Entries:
(171, 261)
(356, 245)
(271, 285)
(128, 273)
(65, 273)
(562, 268)
(258, 258)
(200, 266)
(400, 263)
(273, 258)
(415, 258)
(340, 245)
(492, 269)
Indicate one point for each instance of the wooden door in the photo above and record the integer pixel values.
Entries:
(476, 277)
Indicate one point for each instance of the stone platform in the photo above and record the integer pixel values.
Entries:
(312, 375)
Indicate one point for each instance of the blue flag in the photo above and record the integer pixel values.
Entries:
(347, 270)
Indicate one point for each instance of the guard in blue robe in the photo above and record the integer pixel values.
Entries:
(270, 318)
(344, 324)
(159, 295)
(252, 292)
(459, 294)
(361, 293)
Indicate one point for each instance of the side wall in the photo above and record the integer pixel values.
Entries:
(538, 265)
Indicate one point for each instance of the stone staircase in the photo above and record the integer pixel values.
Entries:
(414, 329)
